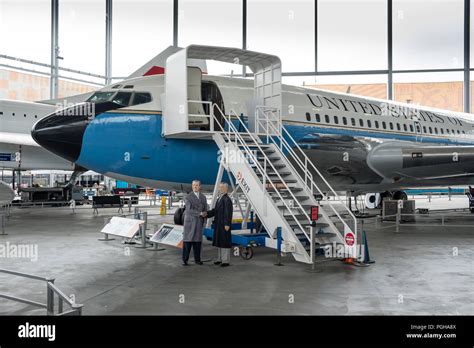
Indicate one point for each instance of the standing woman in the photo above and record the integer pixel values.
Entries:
(222, 214)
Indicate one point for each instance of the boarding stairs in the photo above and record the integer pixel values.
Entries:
(277, 178)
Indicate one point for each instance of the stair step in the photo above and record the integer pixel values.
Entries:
(277, 166)
(306, 223)
(287, 196)
(275, 174)
(292, 189)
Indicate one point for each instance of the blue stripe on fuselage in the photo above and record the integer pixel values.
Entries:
(132, 145)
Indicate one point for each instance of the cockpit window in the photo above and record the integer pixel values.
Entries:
(141, 98)
(99, 97)
(122, 98)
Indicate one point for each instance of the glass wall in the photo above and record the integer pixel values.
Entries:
(82, 35)
(140, 30)
(352, 35)
(26, 34)
(283, 28)
(439, 90)
(428, 34)
(214, 23)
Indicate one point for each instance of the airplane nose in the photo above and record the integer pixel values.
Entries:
(61, 133)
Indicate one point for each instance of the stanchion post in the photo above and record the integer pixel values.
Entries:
(106, 235)
(2, 225)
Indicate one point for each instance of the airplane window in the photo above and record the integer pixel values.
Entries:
(318, 118)
(353, 121)
(441, 130)
(99, 97)
(430, 130)
(142, 98)
(424, 129)
(411, 128)
(116, 86)
(369, 124)
(308, 116)
(376, 124)
(391, 125)
(128, 86)
(361, 122)
(436, 130)
(326, 118)
(405, 127)
(344, 120)
(384, 125)
(459, 132)
(452, 131)
(1, 113)
(336, 120)
(398, 126)
(122, 98)
(447, 131)
(463, 132)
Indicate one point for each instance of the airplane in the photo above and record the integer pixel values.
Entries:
(18, 150)
(360, 144)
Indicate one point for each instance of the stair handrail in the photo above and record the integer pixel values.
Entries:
(249, 152)
(281, 132)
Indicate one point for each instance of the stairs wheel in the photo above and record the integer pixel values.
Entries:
(246, 252)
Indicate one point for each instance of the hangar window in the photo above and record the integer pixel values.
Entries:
(411, 128)
(141, 98)
(405, 127)
(376, 124)
(391, 125)
(326, 118)
(344, 120)
(353, 121)
(398, 126)
(361, 122)
(384, 125)
(318, 118)
(369, 124)
(336, 120)
(308, 116)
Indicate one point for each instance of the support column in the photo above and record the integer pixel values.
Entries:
(53, 83)
(390, 49)
(467, 56)
(175, 22)
(108, 41)
(244, 32)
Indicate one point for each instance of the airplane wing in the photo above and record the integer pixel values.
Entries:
(17, 139)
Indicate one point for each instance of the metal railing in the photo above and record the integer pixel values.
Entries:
(277, 134)
(240, 142)
(51, 291)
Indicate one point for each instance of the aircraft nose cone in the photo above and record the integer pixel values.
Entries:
(61, 133)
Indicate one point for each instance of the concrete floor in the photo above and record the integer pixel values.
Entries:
(415, 273)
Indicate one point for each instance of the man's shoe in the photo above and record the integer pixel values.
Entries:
(217, 263)
(199, 263)
(185, 264)
(225, 265)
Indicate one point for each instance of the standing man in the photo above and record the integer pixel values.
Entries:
(194, 215)
(222, 226)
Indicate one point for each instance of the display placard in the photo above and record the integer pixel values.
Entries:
(169, 235)
(122, 227)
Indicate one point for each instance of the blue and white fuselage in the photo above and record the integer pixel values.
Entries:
(360, 144)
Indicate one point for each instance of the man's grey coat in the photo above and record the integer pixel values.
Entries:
(193, 222)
